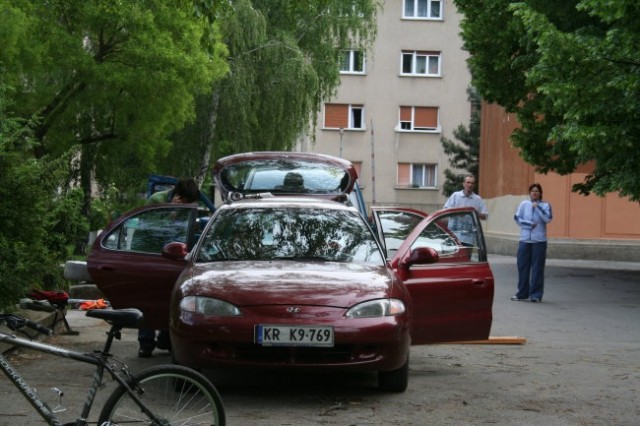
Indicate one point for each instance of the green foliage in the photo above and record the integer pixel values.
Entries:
(284, 61)
(65, 223)
(119, 75)
(38, 229)
(19, 210)
(464, 156)
(571, 73)
(112, 202)
(108, 80)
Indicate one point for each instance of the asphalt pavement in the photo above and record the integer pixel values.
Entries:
(580, 365)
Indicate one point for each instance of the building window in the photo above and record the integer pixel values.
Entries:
(413, 118)
(343, 116)
(352, 62)
(415, 175)
(422, 9)
(420, 63)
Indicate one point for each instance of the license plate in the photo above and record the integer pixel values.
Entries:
(294, 335)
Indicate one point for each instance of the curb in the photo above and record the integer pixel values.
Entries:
(572, 263)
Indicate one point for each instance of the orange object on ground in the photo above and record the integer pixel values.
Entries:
(93, 304)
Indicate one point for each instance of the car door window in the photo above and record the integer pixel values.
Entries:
(456, 237)
(150, 231)
(396, 225)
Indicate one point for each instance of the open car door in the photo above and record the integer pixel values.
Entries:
(127, 263)
(453, 297)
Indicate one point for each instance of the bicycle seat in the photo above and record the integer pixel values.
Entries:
(126, 318)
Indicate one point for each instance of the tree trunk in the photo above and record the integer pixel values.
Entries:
(209, 138)
(87, 162)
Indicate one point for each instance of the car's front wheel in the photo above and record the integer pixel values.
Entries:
(394, 380)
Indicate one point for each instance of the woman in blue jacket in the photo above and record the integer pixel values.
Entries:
(532, 217)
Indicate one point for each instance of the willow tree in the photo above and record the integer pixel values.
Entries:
(284, 61)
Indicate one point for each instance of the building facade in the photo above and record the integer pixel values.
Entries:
(397, 101)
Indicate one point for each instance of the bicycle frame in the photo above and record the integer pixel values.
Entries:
(98, 359)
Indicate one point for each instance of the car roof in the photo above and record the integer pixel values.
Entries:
(285, 174)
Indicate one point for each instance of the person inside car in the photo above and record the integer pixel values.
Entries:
(293, 182)
(185, 192)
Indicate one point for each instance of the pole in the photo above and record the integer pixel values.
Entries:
(341, 133)
(373, 168)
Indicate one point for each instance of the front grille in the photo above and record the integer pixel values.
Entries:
(339, 354)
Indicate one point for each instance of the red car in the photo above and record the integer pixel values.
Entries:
(299, 281)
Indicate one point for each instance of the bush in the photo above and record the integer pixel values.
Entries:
(38, 222)
(24, 258)
(65, 224)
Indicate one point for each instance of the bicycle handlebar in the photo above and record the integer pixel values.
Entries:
(15, 322)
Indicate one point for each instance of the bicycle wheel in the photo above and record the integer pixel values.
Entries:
(176, 395)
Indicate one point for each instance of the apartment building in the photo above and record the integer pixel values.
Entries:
(397, 101)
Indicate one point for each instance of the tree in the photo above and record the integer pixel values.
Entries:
(570, 71)
(463, 157)
(284, 61)
(115, 78)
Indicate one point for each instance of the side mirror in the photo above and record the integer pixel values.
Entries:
(419, 256)
(175, 251)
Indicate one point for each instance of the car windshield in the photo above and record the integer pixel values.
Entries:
(285, 176)
(285, 233)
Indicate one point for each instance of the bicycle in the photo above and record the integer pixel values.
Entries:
(160, 395)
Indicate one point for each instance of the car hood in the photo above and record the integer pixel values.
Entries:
(288, 282)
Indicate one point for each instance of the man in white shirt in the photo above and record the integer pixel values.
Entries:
(466, 198)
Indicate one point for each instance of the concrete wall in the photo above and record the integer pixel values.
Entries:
(501, 234)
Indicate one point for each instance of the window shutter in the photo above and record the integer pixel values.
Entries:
(336, 116)
(405, 113)
(426, 117)
(404, 174)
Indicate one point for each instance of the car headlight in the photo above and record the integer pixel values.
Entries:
(209, 306)
(377, 308)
